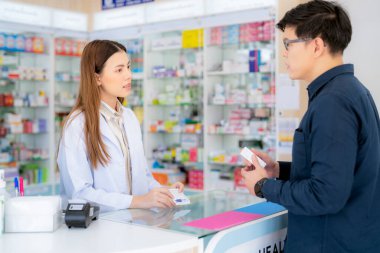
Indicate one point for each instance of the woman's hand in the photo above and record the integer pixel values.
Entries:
(157, 197)
(178, 185)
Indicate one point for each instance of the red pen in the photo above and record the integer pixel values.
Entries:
(21, 186)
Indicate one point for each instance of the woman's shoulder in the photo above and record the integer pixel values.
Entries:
(75, 120)
(74, 127)
(129, 114)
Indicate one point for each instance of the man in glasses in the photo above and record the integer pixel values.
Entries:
(332, 186)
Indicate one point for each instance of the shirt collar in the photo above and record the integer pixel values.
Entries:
(323, 79)
(108, 112)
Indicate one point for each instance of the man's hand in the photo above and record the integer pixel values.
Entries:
(272, 167)
(251, 177)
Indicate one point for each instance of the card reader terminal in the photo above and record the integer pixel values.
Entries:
(80, 214)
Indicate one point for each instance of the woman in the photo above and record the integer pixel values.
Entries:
(100, 156)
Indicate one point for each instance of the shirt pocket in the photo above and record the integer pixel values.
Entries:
(298, 170)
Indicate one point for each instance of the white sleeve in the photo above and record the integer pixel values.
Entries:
(151, 181)
(76, 172)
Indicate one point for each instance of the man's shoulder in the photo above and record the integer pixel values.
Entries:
(344, 88)
(348, 85)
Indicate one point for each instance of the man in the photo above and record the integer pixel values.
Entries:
(332, 187)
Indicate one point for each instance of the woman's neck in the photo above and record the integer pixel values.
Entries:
(111, 101)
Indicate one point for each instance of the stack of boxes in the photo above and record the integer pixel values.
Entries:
(24, 99)
(24, 73)
(196, 179)
(245, 33)
(69, 47)
(21, 43)
(258, 31)
(224, 35)
(16, 125)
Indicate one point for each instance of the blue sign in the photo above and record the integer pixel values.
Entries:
(112, 4)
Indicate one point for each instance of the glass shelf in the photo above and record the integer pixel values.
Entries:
(26, 107)
(187, 164)
(174, 77)
(248, 105)
(27, 133)
(226, 164)
(176, 50)
(221, 73)
(174, 133)
(171, 105)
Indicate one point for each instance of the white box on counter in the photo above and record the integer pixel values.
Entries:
(33, 214)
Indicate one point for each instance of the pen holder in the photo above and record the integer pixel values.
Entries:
(33, 214)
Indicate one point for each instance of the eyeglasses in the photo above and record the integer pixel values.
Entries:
(288, 42)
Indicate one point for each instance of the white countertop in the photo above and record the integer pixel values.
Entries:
(101, 236)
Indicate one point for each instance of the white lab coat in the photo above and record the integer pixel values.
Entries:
(106, 185)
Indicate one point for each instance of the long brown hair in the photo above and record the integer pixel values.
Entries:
(94, 56)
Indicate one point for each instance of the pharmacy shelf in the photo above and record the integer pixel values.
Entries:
(173, 73)
(22, 162)
(39, 133)
(230, 77)
(138, 76)
(24, 107)
(163, 132)
(186, 164)
(171, 105)
(175, 78)
(67, 82)
(64, 105)
(66, 85)
(249, 135)
(227, 164)
(44, 189)
(244, 105)
(173, 50)
(221, 73)
(29, 77)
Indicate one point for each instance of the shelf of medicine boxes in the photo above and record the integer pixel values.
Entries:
(24, 107)
(67, 52)
(174, 105)
(67, 55)
(135, 50)
(240, 91)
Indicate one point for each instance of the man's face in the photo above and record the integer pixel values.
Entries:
(299, 57)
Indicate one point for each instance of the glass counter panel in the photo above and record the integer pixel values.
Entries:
(202, 205)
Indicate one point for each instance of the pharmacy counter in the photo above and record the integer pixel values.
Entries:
(215, 221)
(222, 221)
(100, 237)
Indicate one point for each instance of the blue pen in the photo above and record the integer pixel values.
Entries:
(16, 186)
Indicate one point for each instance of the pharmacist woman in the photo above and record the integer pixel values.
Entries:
(100, 155)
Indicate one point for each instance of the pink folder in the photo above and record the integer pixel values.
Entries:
(223, 220)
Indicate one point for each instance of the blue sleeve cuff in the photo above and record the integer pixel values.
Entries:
(271, 190)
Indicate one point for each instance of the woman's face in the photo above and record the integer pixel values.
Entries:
(115, 78)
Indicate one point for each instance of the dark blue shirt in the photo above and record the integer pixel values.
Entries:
(333, 193)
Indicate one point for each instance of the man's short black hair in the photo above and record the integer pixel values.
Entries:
(325, 19)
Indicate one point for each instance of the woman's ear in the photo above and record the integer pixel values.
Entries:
(98, 79)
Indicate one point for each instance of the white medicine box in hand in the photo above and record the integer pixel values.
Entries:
(180, 198)
(247, 154)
